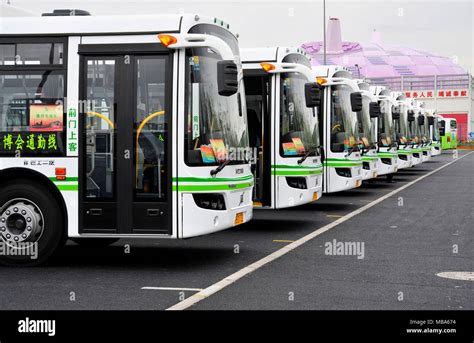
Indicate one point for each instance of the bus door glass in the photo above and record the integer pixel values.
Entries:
(126, 152)
(257, 93)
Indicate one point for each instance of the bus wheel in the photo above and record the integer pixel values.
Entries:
(94, 242)
(31, 224)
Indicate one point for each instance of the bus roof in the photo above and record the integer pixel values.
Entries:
(269, 54)
(94, 25)
(331, 71)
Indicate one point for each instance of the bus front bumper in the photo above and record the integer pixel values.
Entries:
(198, 221)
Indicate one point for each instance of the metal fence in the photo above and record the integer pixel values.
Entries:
(433, 82)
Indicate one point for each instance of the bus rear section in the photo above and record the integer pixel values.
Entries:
(120, 134)
(283, 107)
(342, 163)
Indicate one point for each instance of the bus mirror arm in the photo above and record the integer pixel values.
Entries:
(197, 40)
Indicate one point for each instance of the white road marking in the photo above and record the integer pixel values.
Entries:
(466, 276)
(229, 280)
(174, 289)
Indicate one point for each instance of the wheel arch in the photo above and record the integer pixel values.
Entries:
(10, 174)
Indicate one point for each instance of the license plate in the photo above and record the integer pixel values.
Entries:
(315, 196)
(357, 183)
(239, 218)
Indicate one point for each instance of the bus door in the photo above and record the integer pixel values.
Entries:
(125, 156)
(257, 92)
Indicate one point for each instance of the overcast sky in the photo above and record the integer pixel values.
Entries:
(442, 27)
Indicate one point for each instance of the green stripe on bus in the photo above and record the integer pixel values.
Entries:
(296, 172)
(68, 187)
(329, 164)
(68, 179)
(282, 166)
(212, 179)
(368, 158)
(404, 152)
(340, 159)
(203, 188)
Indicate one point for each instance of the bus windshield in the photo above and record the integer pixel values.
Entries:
(299, 127)
(216, 126)
(365, 126)
(425, 129)
(435, 136)
(414, 131)
(342, 132)
(400, 125)
(386, 129)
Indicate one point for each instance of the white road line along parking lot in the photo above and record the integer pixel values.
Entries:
(205, 293)
(173, 289)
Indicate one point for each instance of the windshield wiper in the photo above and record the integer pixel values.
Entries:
(221, 166)
(393, 145)
(351, 150)
(302, 159)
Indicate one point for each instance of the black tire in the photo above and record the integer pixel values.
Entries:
(53, 231)
(94, 242)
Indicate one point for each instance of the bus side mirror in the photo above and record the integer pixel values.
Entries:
(395, 112)
(312, 94)
(374, 109)
(431, 120)
(411, 116)
(356, 101)
(227, 78)
(421, 120)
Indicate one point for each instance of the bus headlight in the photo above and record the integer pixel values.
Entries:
(210, 201)
(344, 172)
(297, 182)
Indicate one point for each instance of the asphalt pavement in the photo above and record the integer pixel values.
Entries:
(407, 240)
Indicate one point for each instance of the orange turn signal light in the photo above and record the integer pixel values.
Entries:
(321, 81)
(60, 173)
(167, 40)
(267, 67)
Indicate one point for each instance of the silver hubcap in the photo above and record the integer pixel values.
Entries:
(21, 221)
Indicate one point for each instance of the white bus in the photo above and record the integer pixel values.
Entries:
(341, 101)
(448, 133)
(367, 130)
(115, 127)
(425, 133)
(281, 95)
(433, 120)
(387, 145)
(414, 132)
(400, 123)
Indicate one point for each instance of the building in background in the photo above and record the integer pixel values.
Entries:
(437, 80)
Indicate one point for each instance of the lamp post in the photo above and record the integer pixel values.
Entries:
(324, 30)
